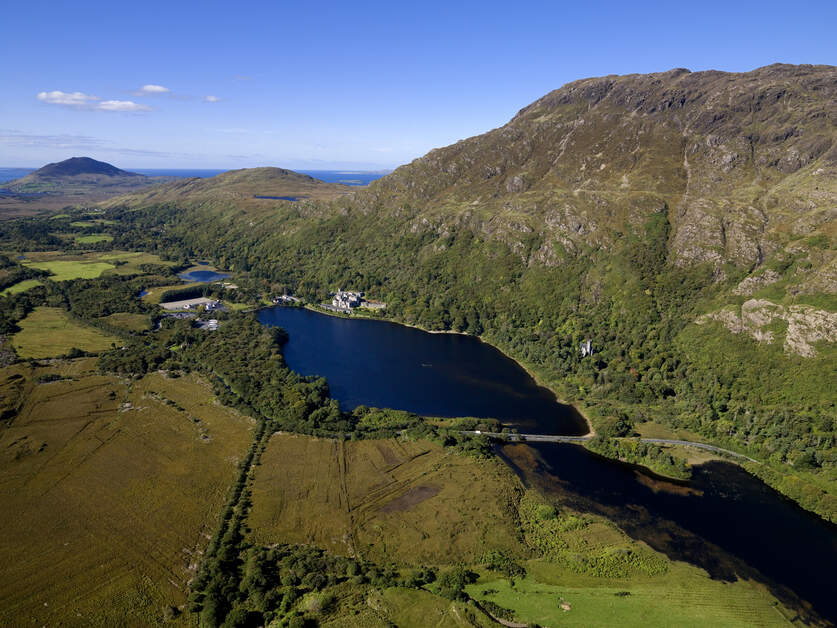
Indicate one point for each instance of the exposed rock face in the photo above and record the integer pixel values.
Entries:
(805, 324)
(755, 282)
(737, 160)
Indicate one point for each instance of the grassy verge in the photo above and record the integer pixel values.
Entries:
(155, 294)
(63, 270)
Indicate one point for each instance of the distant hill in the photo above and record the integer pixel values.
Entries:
(69, 182)
(79, 175)
(76, 166)
(253, 189)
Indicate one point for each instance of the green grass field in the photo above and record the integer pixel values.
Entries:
(49, 332)
(93, 238)
(21, 286)
(110, 490)
(90, 265)
(91, 223)
(237, 307)
(63, 270)
(684, 596)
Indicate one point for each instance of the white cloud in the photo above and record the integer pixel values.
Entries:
(80, 100)
(211, 99)
(153, 89)
(68, 99)
(121, 105)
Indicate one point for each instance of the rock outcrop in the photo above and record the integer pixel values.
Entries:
(763, 320)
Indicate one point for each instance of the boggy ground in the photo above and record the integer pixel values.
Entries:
(412, 504)
(110, 488)
(383, 500)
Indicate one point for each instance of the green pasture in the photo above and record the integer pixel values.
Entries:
(684, 597)
(49, 332)
(21, 286)
(64, 270)
(93, 238)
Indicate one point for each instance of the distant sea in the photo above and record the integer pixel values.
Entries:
(10, 174)
(346, 177)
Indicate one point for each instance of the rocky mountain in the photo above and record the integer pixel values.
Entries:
(743, 165)
(684, 222)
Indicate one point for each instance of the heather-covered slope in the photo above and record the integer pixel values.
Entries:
(743, 163)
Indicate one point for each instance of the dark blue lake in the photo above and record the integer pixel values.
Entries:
(203, 275)
(724, 520)
(382, 364)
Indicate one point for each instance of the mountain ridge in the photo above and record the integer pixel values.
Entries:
(729, 156)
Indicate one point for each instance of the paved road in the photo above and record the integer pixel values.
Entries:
(546, 438)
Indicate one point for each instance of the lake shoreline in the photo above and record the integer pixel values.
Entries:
(775, 480)
(591, 430)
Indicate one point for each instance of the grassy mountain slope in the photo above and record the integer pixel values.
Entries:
(239, 188)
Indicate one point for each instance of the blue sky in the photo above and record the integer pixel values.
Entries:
(329, 85)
